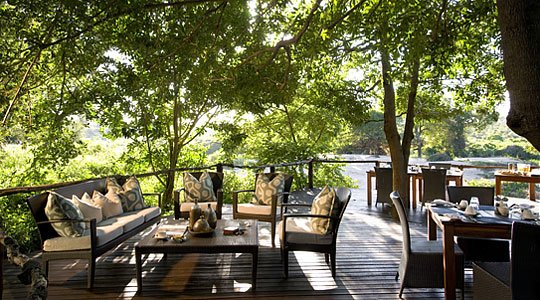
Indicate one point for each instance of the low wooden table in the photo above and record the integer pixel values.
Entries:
(247, 242)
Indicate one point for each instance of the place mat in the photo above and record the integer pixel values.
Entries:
(486, 215)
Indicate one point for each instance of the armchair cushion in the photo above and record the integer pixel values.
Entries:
(300, 231)
(110, 204)
(186, 206)
(265, 189)
(104, 234)
(201, 189)
(255, 209)
(88, 209)
(60, 208)
(323, 204)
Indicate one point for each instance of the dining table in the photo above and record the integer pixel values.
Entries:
(453, 222)
(531, 178)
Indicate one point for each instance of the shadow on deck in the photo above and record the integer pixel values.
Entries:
(369, 249)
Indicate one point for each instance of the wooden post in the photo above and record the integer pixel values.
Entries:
(272, 169)
(310, 173)
(219, 169)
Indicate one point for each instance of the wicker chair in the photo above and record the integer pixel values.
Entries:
(434, 184)
(181, 209)
(479, 249)
(265, 213)
(384, 185)
(421, 264)
(295, 240)
(515, 279)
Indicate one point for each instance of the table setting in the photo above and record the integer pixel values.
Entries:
(500, 213)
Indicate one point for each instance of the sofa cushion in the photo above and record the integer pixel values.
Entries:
(186, 206)
(201, 189)
(323, 204)
(104, 234)
(265, 189)
(131, 195)
(256, 209)
(88, 209)
(300, 231)
(110, 204)
(112, 185)
(126, 221)
(60, 208)
(149, 212)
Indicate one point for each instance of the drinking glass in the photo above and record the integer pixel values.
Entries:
(475, 203)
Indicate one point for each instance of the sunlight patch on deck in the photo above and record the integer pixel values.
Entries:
(307, 260)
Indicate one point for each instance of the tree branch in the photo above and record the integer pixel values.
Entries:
(340, 19)
(31, 269)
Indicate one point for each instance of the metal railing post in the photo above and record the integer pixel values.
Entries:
(310, 173)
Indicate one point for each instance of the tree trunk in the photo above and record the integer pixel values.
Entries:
(520, 31)
(399, 166)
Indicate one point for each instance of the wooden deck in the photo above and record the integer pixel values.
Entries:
(369, 249)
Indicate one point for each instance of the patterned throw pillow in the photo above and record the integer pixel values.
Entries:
(131, 195)
(323, 204)
(111, 184)
(88, 209)
(265, 189)
(61, 208)
(110, 204)
(202, 189)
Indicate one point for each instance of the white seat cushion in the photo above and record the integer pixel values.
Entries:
(149, 213)
(104, 234)
(186, 206)
(254, 209)
(300, 231)
(126, 221)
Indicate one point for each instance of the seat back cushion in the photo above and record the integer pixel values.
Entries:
(201, 189)
(61, 208)
(87, 207)
(323, 204)
(266, 188)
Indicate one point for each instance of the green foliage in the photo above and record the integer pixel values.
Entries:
(18, 222)
(368, 138)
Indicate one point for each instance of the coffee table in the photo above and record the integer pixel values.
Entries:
(247, 242)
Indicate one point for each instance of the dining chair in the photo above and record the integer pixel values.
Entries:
(479, 249)
(434, 186)
(517, 279)
(182, 208)
(421, 264)
(297, 234)
(265, 213)
(384, 185)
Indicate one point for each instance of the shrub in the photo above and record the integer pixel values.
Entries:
(439, 157)
(18, 222)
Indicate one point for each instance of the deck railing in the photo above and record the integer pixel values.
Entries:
(219, 168)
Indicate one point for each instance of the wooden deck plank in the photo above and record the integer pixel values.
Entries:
(368, 254)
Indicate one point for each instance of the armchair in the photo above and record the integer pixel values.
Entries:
(265, 213)
(181, 209)
(296, 234)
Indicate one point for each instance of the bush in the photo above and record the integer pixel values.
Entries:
(18, 222)
(439, 157)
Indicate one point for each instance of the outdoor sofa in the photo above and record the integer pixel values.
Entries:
(98, 237)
